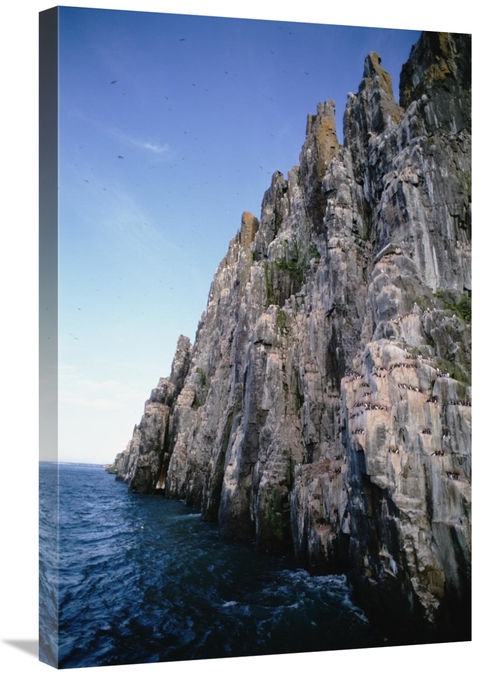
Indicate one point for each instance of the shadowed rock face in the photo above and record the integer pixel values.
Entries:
(325, 406)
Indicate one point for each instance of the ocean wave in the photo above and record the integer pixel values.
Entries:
(145, 579)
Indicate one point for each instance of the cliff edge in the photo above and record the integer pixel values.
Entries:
(325, 405)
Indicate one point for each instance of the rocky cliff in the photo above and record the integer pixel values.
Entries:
(325, 405)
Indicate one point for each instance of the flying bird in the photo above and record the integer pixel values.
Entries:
(120, 157)
(114, 81)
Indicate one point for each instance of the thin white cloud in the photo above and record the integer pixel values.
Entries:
(141, 143)
(158, 148)
(154, 147)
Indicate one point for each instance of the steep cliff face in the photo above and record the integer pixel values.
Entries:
(325, 406)
(144, 462)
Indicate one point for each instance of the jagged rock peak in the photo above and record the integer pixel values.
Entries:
(373, 70)
(249, 227)
(321, 133)
(437, 59)
(180, 363)
(374, 105)
(320, 147)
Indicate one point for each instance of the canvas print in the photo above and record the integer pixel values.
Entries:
(255, 337)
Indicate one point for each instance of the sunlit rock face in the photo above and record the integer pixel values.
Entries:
(144, 462)
(325, 406)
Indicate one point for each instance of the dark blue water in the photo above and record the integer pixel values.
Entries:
(144, 579)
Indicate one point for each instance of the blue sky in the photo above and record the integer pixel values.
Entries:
(170, 127)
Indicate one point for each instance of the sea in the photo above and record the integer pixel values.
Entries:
(128, 579)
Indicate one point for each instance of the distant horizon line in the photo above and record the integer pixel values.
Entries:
(56, 461)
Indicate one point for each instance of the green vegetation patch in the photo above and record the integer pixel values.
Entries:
(269, 287)
(276, 513)
(314, 251)
(281, 321)
(197, 402)
(294, 262)
(203, 377)
(462, 308)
